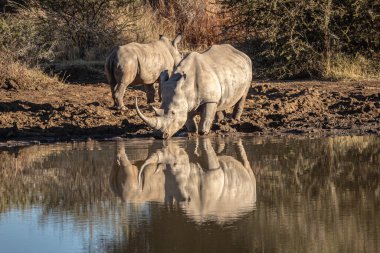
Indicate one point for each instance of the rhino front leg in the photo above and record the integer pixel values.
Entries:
(207, 117)
(208, 158)
(159, 93)
(239, 106)
(150, 92)
(190, 123)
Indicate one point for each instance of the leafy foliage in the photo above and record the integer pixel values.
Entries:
(285, 38)
(84, 25)
(289, 38)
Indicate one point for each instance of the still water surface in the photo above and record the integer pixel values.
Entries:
(248, 194)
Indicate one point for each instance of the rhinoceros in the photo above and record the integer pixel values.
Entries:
(124, 180)
(137, 63)
(204, 83)
(210, 187)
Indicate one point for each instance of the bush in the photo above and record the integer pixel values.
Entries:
(64, 30)
(84, 29)
(87, 30)
(198, 21)
(18, 76)
(356, 67)
(285, 38)
(22, 38)
(291, 38)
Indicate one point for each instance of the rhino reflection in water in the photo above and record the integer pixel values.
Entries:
(206, 185)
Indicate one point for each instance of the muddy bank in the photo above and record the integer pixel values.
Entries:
(68, 112)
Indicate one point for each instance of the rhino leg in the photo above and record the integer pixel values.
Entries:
(150, 92)
(190, 123)
(118, 95)
(207, 117)
(208, 158)
(240, 151)
(220, 145)
(239, 106)
(219, 116)
(159, 93)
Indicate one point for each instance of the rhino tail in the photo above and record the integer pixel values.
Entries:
(109, 68)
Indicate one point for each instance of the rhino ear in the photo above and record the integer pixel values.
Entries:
(160, 167)
(164, 76)
(181, 81)
(177, 40)
(158, 111)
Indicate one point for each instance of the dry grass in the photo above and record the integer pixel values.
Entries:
(352, 68)
(16, 75)
(149, 26)
(42, 33)
(196, 21)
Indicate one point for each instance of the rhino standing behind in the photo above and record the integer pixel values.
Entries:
(204, 83)
(136, 63)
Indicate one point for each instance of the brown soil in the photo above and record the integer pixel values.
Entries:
(67, 112)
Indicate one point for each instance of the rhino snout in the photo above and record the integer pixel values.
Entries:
(161, 135)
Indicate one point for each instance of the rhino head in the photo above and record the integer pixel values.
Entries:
(174, 163)
(172, 115)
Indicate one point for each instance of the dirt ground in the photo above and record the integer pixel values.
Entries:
(80, 111)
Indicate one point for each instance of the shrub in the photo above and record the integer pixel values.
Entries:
(22, 38)
(83, 29)
(198, 21)
(356, 67)
(285, 38)
(18, 76)
(290, 38)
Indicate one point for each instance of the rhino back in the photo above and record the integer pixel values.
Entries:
(149, 60)
(221, 194)
(233, 70)
(220, 75)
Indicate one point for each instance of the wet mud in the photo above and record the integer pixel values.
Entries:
(83, 111)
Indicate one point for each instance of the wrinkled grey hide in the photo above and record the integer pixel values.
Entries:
(206, 83)
(213, 187)
(136, 63)
(124, 180)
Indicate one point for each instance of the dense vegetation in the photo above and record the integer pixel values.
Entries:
(285, 38)
(303, 38)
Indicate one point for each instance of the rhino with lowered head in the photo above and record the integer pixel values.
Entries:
(204, 83)
(137, 63)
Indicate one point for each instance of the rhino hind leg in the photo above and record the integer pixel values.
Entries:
(118, 91)
(118, 95)
(190, 123)
(124, 76)
(219, 116)
(150, 93)
(240, 151)
(207, 117)
(239, 106)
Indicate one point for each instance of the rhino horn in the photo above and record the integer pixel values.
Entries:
(159, 112)
(153, 122)
(154, 159)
